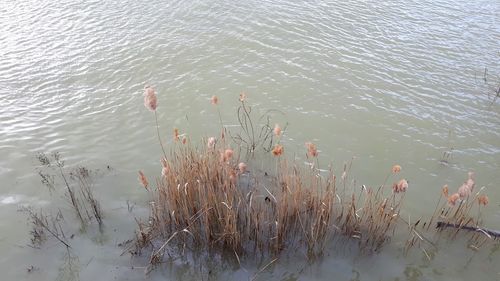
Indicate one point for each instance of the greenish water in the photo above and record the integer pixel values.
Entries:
(385, 83)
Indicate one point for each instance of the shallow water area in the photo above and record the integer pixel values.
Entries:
(383, 83)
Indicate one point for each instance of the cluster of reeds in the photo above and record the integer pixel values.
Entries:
(207, 198)
(76, 185)
(462, 210)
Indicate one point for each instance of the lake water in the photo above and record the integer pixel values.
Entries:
(386, 82)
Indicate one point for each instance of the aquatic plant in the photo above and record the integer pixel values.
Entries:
(207, 199)
(77, 183)
(455, 214)
(44, 225)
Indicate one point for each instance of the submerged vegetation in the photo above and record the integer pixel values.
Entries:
(213, 198)
(76, 186)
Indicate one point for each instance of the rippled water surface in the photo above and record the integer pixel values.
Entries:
(386, 83)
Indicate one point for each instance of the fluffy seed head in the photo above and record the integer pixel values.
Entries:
(312, 151)
(464, 191)
(243, 96)
(150, 100)
(143, 180)
(277, 150)
(228, 153)
(483, 200)
(176, 134)
(214, 100)
(277, 130)
(452, 199)
(401, 186)
(211, 142)
(165, 167)
(445, 191)
(242, 167)
(396, 169)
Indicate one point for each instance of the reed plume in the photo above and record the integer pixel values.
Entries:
(151, 102)
(176, 134)
(312, 151)
(211, 143)
(483, 200)
(143, 180)
(277, 150)
(400, 186)
(165, 170)
(464, 191)
(214, 100)
(452, 199)
(277, 130)
(243, 96)
(242, 167)
(396, 169)
(444, 191)
(228, 154)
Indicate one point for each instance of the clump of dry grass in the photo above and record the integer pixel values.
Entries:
(210, 202)
(207, 199)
